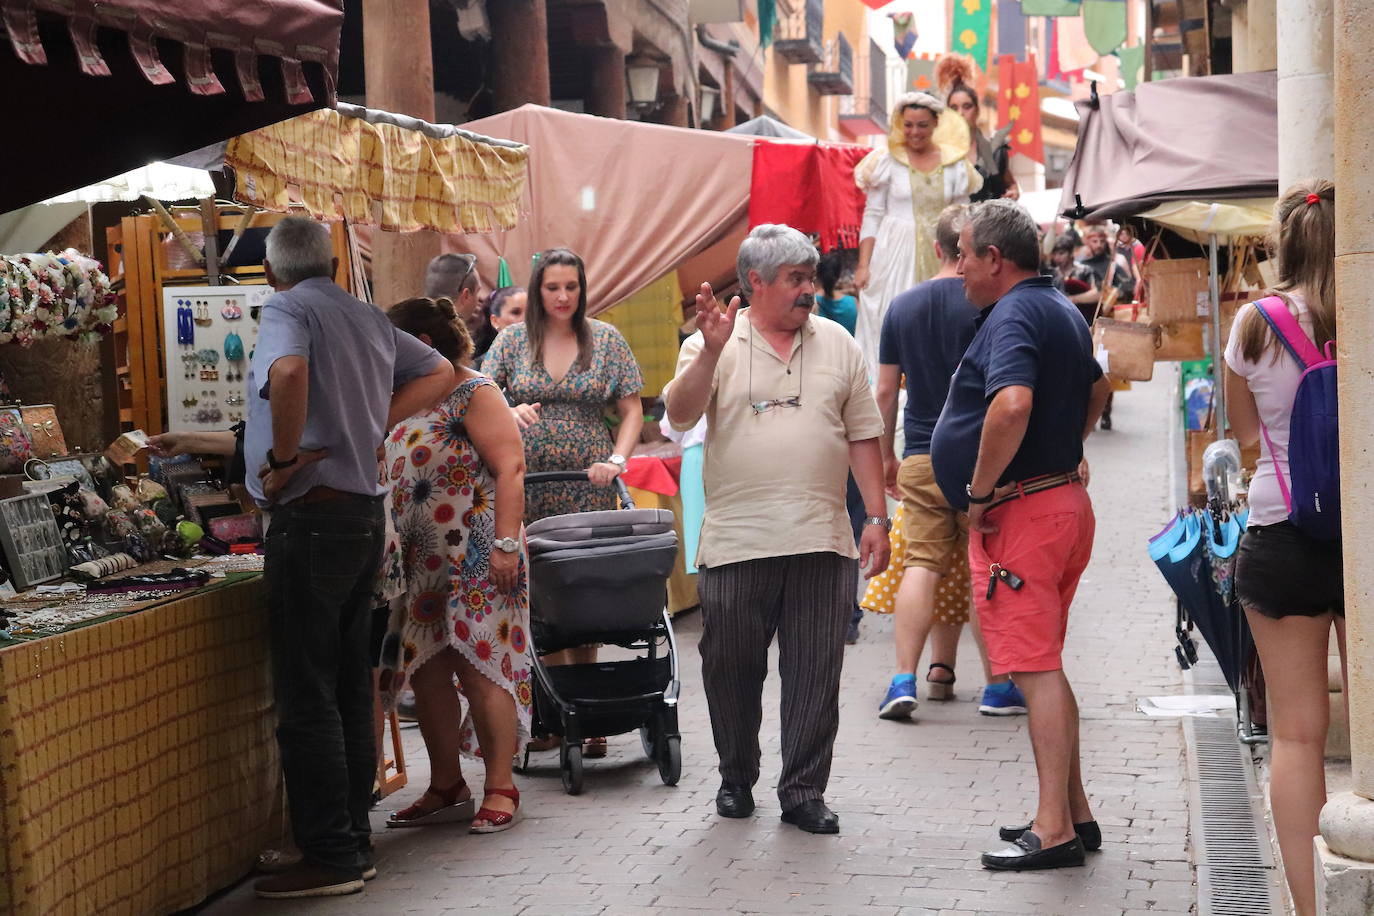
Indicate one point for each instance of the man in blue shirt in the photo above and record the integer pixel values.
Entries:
(925, 333)
(1009, 447)
(329, 373)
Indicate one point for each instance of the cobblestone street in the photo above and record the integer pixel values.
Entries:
(917, 802)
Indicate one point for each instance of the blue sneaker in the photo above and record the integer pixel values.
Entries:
(900, 701)
(1002, 699)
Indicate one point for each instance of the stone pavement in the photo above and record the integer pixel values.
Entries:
(917, 801)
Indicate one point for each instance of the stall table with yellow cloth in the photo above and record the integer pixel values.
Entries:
(138, 765)
(653, 483)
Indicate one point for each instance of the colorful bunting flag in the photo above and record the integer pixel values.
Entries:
(920, 74)
(876, 4)
(972, 23)
(903, 33)
(1018, 105)
(1104, 22)
(768, 18)
(1132, 63)
(502, 273)
(1051, 7)
(1075, 52)
(1011, 28)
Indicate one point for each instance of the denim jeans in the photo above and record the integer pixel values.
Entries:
(321, 561)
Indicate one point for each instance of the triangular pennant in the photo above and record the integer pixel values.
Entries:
(502, 273)
(969, 35)
(1104, 23)
(1132, 65)
(903, 33)
(1074, 51)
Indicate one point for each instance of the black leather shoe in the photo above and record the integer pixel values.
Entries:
(1026, 854)
(734, 800)
(813, 817)
(1088, 832)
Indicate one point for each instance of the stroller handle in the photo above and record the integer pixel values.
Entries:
(621, 490)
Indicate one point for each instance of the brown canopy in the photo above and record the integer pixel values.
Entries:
(102, 86)
(1196, 138)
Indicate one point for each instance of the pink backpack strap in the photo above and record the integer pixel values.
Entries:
(1274, 311)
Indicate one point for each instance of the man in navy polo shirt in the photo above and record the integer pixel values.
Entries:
(1009, 448)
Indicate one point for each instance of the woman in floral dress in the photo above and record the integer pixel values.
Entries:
(562, 370)
(456, 479)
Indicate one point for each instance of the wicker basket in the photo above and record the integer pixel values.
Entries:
(1130, 348)
(1178, 289)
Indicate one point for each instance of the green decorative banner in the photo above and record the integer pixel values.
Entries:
(972, 23)
(1132, 62)
(1104, 22)
(1051, 7)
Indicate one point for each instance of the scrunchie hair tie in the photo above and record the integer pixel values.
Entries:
(1312, 199)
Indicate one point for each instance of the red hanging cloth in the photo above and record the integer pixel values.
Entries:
(810, 187)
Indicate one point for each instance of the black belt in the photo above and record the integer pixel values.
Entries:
(1035, 485)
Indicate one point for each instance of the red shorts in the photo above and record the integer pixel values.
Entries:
(1046, 539)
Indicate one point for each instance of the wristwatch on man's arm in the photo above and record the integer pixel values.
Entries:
(880, 520)
(977, 500)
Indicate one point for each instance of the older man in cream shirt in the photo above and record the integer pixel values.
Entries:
(789, 411)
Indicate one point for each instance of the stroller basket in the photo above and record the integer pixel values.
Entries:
(597, 572)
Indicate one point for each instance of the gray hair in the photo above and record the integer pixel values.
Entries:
(1010, 227)
(448, 274)
(298, 249)
(767, 249)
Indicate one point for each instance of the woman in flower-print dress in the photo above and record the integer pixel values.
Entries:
(456, 478)
(562, 371)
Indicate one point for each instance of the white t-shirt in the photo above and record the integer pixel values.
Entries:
(1274, 383)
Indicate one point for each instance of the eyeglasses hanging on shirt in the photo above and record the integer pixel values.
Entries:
(794, 400)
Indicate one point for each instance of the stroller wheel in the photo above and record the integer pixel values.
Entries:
(646, 741)
(570, 768)
(670, 761)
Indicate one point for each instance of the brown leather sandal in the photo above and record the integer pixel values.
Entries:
(939, 690)
(496, 821)
(457, 806)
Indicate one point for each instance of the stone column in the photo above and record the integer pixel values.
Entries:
(520, 53)
(399, 70)
(1254, 31)
(1345, 849)
(1307, 102)
(606, 90)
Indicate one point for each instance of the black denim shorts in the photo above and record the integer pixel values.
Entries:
(1282, 572)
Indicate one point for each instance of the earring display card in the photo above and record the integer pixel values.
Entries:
(209, 333)
(31, 539)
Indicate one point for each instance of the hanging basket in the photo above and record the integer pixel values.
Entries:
(1130, 348)
(1178, 289)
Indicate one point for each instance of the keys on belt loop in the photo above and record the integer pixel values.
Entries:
(998, 573)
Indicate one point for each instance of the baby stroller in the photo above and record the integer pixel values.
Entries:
(601, 577)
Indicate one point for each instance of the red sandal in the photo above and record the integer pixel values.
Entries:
(497, 820)
(456, 807)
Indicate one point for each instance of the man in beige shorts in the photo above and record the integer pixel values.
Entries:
(924, 335)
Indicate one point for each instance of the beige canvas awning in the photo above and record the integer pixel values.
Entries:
(376, 168)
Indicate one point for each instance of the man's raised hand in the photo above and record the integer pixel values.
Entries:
(715, 326)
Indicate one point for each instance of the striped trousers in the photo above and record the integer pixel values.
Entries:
(806, 600)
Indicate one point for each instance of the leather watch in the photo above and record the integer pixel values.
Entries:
(506, 545)
(976, 500)
(276, 465)
(881, 521)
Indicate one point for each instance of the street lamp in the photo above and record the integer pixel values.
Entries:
(642, 76)
(709, 95)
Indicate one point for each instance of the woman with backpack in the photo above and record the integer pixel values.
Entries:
(1288, 574)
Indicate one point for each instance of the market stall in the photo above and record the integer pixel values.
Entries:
(1195, 157)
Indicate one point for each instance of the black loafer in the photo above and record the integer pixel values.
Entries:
(1088, 832)
(734, 800)
(813, 817)
(1026, 854)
